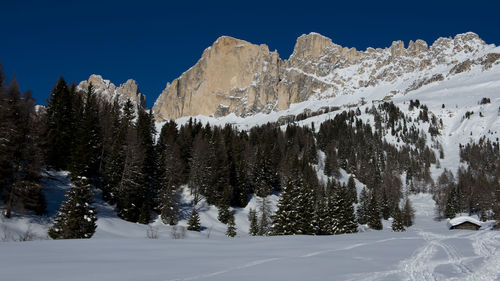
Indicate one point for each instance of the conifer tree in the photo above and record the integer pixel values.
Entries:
(19, 152)
(351, 187)
(201, 172)
(295, 207)
(385, 208)
(76, 217)
(323, 214)
(408, 213)
(231, 226)
(264, 173)
(397, 223)
(168, 174)
(254, 225)
(86, 152)
(194, 221)
(452, 208)
(265, 217)
(224, 214)
(363, 207)
(374, 217)
(132, 193)
(115, 158)
(59, 126)
(346, 216)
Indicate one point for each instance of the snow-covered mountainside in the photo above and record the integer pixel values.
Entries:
(448, 100)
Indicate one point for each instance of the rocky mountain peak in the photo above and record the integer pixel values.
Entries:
(235, 76)
(417, 47)
(398, 48)
(231, 76)
(108, 91)
(311, 45)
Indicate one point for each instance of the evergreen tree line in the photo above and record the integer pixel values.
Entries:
(475, 189)
(114, 147)
(358, 148)
(20, 151)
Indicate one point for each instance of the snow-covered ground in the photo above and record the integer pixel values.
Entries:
(427, 251)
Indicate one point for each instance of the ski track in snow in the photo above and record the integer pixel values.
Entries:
(212, 274)
(421, 266)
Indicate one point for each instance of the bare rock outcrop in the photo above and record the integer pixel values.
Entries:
(109, 92)
(231, 76)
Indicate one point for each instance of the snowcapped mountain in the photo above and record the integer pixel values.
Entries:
(234, 76)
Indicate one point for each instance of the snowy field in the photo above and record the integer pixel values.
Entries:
(427, 251)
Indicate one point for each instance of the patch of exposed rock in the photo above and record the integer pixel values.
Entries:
(108, 91)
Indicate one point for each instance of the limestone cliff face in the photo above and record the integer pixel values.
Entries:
(108, 91)
(231, 76)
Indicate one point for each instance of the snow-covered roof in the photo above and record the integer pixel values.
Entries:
(459, 220)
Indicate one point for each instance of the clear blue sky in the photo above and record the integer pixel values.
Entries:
(154, 43)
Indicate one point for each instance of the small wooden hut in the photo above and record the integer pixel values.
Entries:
(464, 223)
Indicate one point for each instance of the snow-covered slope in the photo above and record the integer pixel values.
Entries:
(427, 251)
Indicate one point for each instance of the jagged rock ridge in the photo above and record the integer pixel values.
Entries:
(109, 92)
(236, 76)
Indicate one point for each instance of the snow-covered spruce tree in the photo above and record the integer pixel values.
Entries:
(385, 208)
(397, 223)
(135, 191)
(231, 226)
(408, 213)
(363, 207)
(254, 225)
(168, 174)
(201, 172)
(169, 198)
(132, 193)
(223, 214)
(76, 217)
(351, 186)
(452, 207)
(374, 216)
(286, 219)
(194, 221)
(332, 209)
(331, 165)
(322, 215)
(295, 207)
(265, 217)
(264, 172)
(119, 156)
(345, 215)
